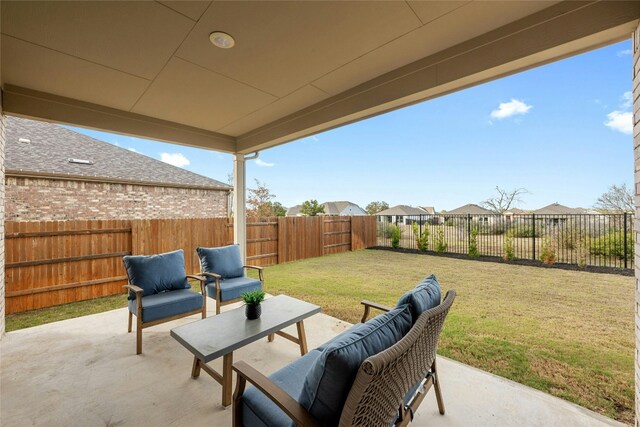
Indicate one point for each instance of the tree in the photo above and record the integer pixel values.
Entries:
(619, 198)
(311, 208)
(259, 201)
(504, 200)
(278, 209)
(375, 207)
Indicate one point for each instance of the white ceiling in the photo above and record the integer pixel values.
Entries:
(155, 58)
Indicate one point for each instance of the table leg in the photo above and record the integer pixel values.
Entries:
(195, 370)
(302, 337)
(271, 337)
(227, 378)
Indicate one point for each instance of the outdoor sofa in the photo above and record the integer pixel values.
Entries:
(375, 373)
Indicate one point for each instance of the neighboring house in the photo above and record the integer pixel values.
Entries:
(294, 211)
(478, 213)
(53, 173)
(332, 208)
(555, 212)
(343, 208)
(401, 214)
(430, 210)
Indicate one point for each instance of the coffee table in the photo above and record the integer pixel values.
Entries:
(220, 335)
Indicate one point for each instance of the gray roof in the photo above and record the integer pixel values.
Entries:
(335, 208)
(428, 209)
(470, 209)
(51, 146)
(558, 209)
(294, 210)
(402, 210)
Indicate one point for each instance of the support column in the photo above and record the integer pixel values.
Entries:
(240, 205)
(2, 291)
(636, 222)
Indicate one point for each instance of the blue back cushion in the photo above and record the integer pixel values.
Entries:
(156, 273)
(423, 297)
(224, 261)
(327, 384)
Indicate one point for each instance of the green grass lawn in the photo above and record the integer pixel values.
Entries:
(567, 333)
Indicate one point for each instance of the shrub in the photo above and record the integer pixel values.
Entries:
(422, 239)
(525, 230)
(473, 243)
(384, 230)
(508, 248)
(396, 234)
(441, 245)
(581, 247)
(548, 253)
(612, 244)
(492, 229)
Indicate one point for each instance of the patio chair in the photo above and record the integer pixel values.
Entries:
(159, 291)
(350, 381)
(225, 274)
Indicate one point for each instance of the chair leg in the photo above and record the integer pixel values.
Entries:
(217, 307)
(139, 336)
(436, 386)
(130, 321)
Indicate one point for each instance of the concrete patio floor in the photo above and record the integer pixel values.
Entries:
(84, 372)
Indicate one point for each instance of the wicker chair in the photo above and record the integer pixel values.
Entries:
(388, 387)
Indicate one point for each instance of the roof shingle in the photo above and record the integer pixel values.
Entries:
(51, 146)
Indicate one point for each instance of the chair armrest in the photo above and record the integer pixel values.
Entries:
(202, 280)
(260, 270)
(135, 289)
(368, 305)
(214, 275)
(274, 393)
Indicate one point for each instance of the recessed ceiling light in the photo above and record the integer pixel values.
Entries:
(222, 40)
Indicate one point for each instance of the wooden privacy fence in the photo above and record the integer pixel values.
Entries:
(55, 262)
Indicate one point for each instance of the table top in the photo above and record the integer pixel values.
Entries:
(215, 336)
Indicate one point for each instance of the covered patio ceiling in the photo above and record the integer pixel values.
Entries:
(148, 69)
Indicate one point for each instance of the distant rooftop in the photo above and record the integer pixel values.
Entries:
(42, 148)
(470, 209)
(558, 209)
(402, 210)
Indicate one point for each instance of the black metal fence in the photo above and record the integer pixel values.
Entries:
(602, 240)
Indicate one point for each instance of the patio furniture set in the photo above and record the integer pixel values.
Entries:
(376, 373)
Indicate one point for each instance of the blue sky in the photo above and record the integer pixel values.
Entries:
(562, 131)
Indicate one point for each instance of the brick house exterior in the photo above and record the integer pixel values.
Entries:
(41, 182)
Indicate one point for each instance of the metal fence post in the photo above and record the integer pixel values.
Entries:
(625, 240)
(420, 224)
(533, 228)
(468, 231)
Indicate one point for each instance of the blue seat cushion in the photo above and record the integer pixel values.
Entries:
(233, 288)
(258, 410)
(328, 383)
(156, 273)
(225, 261)
(349, 330)
(167, 304)
(426, 295)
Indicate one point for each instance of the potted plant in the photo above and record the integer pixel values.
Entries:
(252, 300)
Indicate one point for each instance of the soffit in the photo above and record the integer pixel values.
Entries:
(154, 59)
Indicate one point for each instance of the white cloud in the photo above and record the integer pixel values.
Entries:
(132, 149)
(620, 121)
(625, 52)
(175, 159)
(627, 99)
(511, 108)
(264, 164)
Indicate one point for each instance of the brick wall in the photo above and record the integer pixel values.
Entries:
(37, 199)
(636, 151)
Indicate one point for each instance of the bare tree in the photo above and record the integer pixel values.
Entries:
(504, 200)
(619, 198)
(259, 201)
